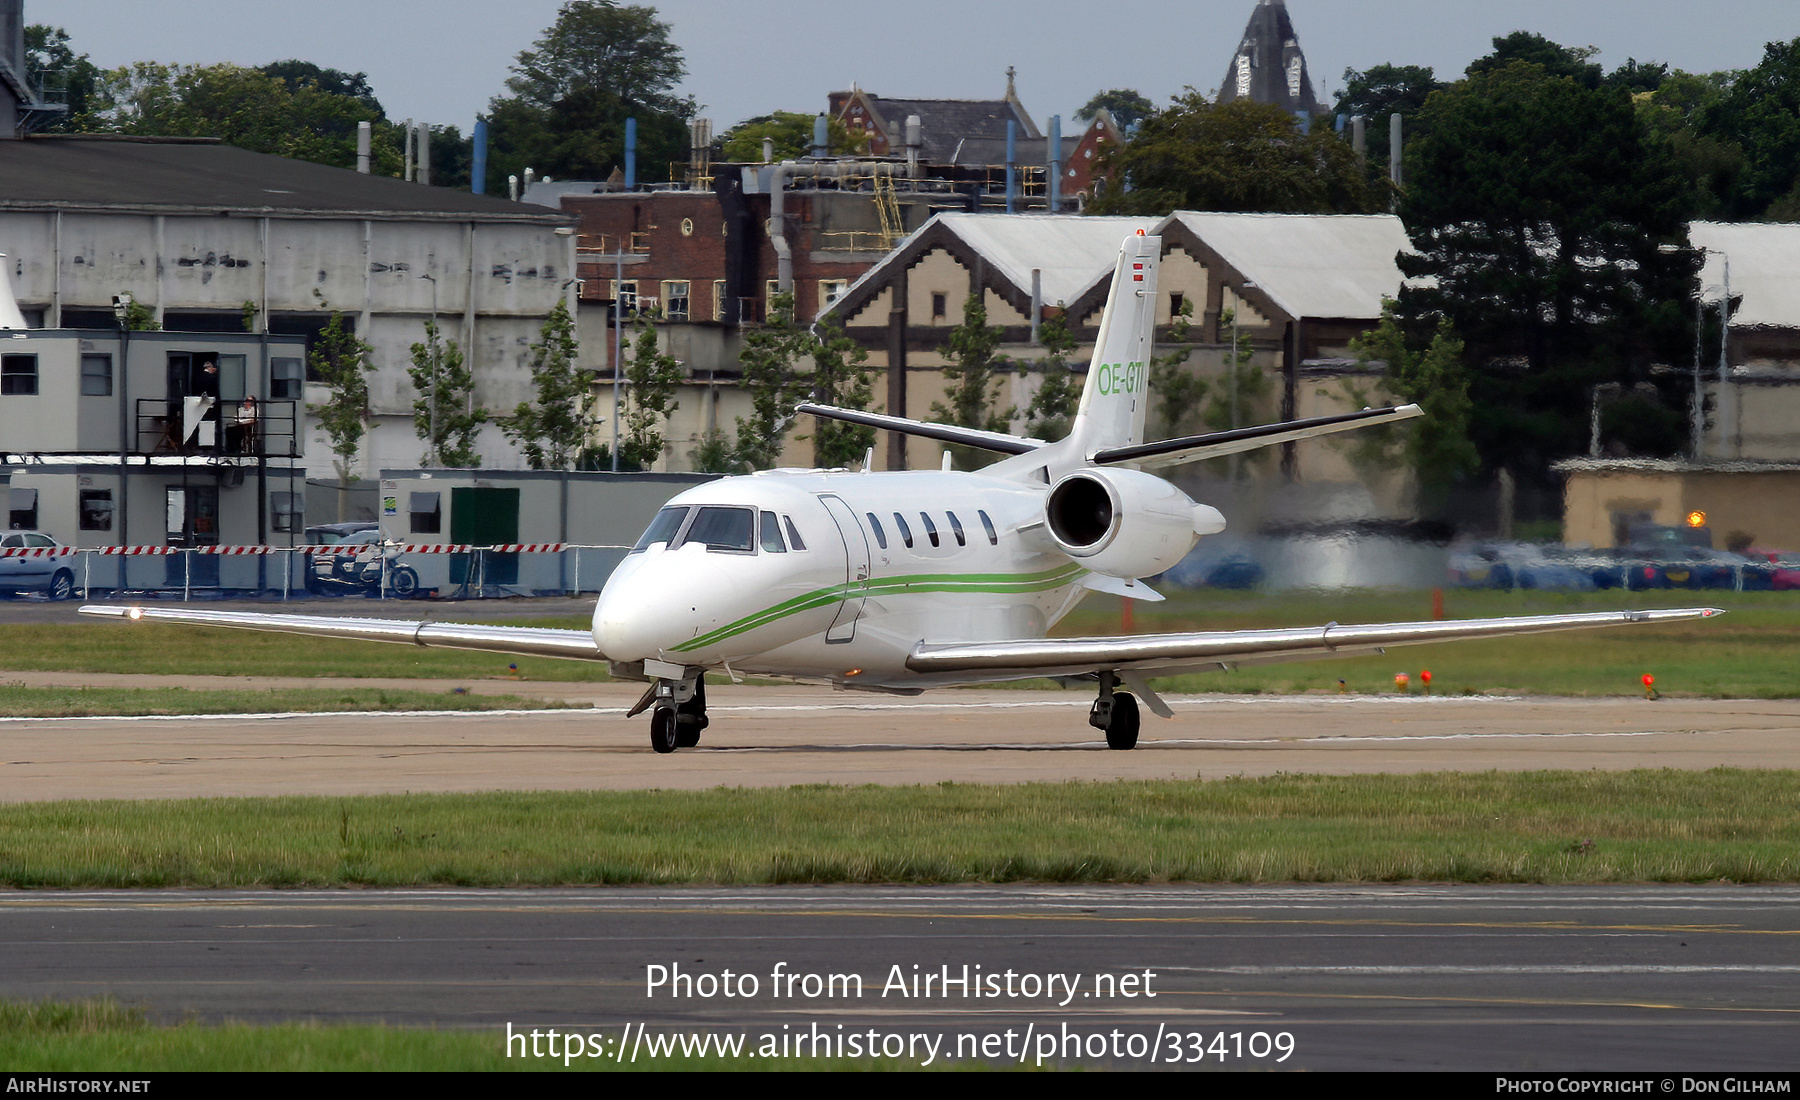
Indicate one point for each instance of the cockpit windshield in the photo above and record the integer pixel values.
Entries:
(662, 528)
(722, 529)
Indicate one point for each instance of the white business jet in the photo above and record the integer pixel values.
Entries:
(899, 581)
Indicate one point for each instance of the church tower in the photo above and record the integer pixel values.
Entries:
(1268, 66)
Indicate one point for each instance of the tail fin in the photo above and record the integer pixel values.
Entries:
(1117, 395)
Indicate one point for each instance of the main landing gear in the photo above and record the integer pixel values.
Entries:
(1116, 712)
(679, 714)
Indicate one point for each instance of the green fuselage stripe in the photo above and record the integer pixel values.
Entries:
(916, 583)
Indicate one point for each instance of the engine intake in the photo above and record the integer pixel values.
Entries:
(1125, 523)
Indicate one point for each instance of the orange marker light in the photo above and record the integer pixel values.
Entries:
(1402, 682)
(1696, 519)
(1650, 686)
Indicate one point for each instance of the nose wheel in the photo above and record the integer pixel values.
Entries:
(1115, 712)
(679, 714)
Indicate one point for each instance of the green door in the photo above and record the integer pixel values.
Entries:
(485, 517)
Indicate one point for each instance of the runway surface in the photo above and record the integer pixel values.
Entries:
(1648, 979)
(1642, 980)
(762, 736)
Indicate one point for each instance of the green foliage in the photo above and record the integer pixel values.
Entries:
(242, 107)
(1052, 409)
(838, 378)
(1125, 105)
(1178, 393)
(551, 429)
(1526, 47)
(1759, 113)
(598, 65)
(1436, 445)
(444, 415)
(247, 315)
(1237, 156)
(140, 317)
(52, 66)
(342, 361)
(715, 454)
(1556, 246)
(652, 378)
(770, 356)
(793, 134)
(1384, 90)
(976, 365)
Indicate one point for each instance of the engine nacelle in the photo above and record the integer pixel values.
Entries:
(1125, 523)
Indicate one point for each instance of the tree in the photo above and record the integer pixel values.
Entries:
(793, 136)
(1178, 392)
(652, 379)
(1534, 49)
(64, 76)
(838, 378)
(598, 65)
(1436, 445)
(1555, 243)
(770, 356)
(1385, 90)
(973, 348)
(444, 415)
(1125, 105)
(340, 360)
(1760, 113)
(1237, 156)
(1052, 408)
(551, 430)
(297, 74)
(245, 108)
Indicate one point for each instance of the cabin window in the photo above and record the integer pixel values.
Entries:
(905, 531)
(771, 534)
(930, 528)
(721, 529)
(956, 528)
(880, 535)
(794, 538)
(661, 529)
(993, 536)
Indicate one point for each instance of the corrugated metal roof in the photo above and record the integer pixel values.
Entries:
(186, 177)
(1765, 270)
(1312, 265)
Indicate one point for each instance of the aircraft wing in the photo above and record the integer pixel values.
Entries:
(534, 641)
(1227, 649)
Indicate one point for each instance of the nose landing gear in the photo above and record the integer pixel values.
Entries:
(680, 714)
(1115, 712)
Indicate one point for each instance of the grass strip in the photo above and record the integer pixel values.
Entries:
(20, 701)
(101, 1035)
(1557, 827)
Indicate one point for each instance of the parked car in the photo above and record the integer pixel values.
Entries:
(47, 573)
(359, 572)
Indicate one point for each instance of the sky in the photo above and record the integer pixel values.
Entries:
(441, 61)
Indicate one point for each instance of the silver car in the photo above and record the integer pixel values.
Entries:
(50, 574)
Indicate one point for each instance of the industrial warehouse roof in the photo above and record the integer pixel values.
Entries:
(1071, 252)
(1309, 265)
(151, 176)
(1764, 271)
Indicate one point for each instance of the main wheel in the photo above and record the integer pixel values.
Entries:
(403, 582)
(1122, 731)
(663, 727)
(62, 585)
(690, 717)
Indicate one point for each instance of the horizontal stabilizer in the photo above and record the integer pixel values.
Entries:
(1166, 653)
(943, 433)
(1193, 448)
(536, 641)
